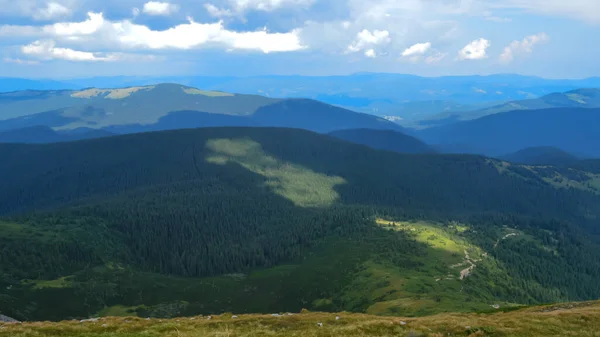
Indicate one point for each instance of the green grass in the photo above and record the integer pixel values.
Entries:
(433, 284)
(194, 91)
(296, 183)
(63, 282)
(575, 319)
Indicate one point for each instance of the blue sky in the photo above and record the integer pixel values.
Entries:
(81, 38)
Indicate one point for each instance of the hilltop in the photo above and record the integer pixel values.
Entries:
(259, 220)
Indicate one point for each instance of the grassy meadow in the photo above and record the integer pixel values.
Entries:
(574, 319)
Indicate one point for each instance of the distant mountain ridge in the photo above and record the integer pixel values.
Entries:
(375, 93)
(389, 140)
(171, 106)
(574, 130)
(543, 155)
(44, 134)
(578, 98)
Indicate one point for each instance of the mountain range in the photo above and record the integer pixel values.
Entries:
(171, 106)
(408, 97)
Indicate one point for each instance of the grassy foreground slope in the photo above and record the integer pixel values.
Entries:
(250, 220)
(573, 319)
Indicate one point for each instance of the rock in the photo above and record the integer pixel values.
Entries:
(234, 316)
(89, 320)
(337, 318)
(320, 324)
(402, 323)
(104, 325)
(6, 319)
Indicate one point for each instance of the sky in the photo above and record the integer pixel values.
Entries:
(85, 38)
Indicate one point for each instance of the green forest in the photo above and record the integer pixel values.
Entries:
(205, 221)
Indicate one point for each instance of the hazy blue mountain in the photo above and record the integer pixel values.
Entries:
(574, 130)
(44, 135)
(389, 140)
(375, 93)
(579, 98)
(16, 84)
(543, 155)
(172, 106)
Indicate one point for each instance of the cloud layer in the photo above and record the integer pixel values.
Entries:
(377, 35)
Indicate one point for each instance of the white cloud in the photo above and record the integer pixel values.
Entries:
(476, 50)
(268, 5)
(47, 50)
(53, 10)
(479, 91)
(417, 49)
(135, 11)
(435, 58)
(159, 8)
(371, 53)
(365, 38)
(96, 30)
(217, 12)
(521, 47)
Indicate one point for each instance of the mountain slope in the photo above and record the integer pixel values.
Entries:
(579, 98)
(570, 129)
(44, 134)
(384, 140)
(541, 156)
(267, 220)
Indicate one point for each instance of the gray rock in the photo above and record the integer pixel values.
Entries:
(6, 319)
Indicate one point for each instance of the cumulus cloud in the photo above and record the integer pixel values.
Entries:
(476, 50)
(47, 50)
(371, 53)
(128, 35)
(417, 49)
(53, 10)
(159, 8)
(217, 12)
(522, 47)
(268, 5)
(365, 38)
(237, 8)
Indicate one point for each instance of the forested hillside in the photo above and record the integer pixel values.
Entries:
(268, 219)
